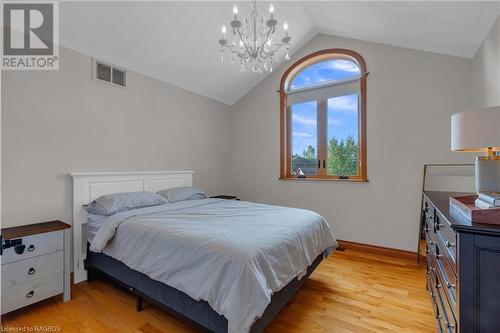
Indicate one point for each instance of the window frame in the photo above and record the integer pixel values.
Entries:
(285, 118)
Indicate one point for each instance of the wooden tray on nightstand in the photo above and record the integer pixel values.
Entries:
(466, 207)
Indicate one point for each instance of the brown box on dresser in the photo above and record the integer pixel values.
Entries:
(463, 268)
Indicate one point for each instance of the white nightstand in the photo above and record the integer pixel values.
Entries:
(35, 264)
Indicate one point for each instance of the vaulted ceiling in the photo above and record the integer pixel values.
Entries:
(176, 42)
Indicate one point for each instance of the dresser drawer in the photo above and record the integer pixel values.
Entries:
(31, 292)
(35, 245)
(429, 211)
(19, 272)
(447, 276)
(431, 287)
(447, 237)
(446, 317)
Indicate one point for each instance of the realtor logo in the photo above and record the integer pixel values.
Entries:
(30, 36)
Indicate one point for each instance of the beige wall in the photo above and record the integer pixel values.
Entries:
(411, 96)
(68, 122)
(56, 122)
(486, 70)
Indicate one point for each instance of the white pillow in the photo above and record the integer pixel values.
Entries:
(183, 193)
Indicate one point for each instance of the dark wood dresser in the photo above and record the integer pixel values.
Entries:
(463, 268)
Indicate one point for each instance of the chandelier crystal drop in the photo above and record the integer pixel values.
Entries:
(254, 40)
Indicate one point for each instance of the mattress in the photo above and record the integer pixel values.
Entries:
(179, 303)
(232, 254)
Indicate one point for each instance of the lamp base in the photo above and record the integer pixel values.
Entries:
(488, 174)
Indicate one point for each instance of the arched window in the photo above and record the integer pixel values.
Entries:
(323, 117)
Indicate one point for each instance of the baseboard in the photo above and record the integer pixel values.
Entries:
(385, 251)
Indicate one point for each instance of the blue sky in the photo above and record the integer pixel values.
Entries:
(342, 110)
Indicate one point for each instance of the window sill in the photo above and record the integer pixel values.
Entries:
(353, 180)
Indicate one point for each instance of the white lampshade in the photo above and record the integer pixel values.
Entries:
(475, 131)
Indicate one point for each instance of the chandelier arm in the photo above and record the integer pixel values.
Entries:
(278, 47)
(265, 41)
(241, 39)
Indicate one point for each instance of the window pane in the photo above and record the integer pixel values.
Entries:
(304, 138)
(342, 132)
(329, 70)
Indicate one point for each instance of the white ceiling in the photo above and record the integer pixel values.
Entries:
(176, 42)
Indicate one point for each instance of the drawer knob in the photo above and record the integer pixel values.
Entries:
(31, 271)
(438, 286)
(439, 256)
(440, 225)
(448, 244)
(450, 285)
(31, 248)
(450, 325)
(19, 249)
(30, 294)
(432, 243)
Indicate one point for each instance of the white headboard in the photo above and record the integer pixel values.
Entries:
(87, 186)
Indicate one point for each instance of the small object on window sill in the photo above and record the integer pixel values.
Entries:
(300, 173)
(343, 177)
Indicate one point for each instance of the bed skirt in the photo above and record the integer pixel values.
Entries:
(179, 303)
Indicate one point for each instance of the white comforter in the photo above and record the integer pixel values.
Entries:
(232, 254)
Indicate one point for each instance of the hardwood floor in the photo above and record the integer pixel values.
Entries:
(352, 291)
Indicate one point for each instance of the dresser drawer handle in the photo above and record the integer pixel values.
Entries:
(438, 316)
(448, 244)
(432, 242)
(450, 285)
(31, 248)
(440, 225)
(438, 286)
(30, 294)
(31, 271)
(439, 256)
(450, 325)
(19, 249)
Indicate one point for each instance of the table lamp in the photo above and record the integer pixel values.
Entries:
(479, 131)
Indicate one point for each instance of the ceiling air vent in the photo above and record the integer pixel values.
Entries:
(107, 73)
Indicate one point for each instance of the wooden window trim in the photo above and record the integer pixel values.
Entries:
(285, 123)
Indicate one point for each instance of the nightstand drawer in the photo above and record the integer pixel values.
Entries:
(19, 272)
(33, 246)
(31, 292)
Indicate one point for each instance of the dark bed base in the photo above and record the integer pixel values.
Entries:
(179, 303)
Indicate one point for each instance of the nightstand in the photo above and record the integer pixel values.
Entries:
(227, 197)
(35, 264)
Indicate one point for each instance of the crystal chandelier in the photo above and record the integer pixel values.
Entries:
(254, 40)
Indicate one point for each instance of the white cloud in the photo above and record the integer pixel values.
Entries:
(302, 135)
(304, 120)
(348, 103)
(335, 122)
(342, 65)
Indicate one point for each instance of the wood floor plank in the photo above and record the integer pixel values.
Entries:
(351, 292)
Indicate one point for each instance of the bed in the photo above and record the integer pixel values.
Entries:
(228, 266)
